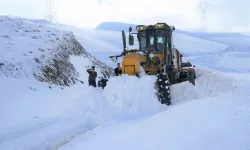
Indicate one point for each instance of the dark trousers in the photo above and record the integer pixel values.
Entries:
(92, 83)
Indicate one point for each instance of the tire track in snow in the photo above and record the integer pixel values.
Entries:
(70, 139)
(28, 129)
(56, 131)
(45, 136)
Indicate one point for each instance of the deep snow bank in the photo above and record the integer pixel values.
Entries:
(208, 84)
(214, 114)
(79, 109)
(123, 97)
(207, 124)
(133, 95)
(73, 111)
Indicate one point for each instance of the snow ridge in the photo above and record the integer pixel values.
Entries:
(32, 50)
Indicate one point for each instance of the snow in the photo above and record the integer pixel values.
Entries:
(210, 123)
(16, 35)
(213, 114)
(238, 41)
(208, 84)
(216, 117)
(73, 111)
(195, 46)
(100, 43)
(119, 97)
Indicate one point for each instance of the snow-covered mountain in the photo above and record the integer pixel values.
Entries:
(114, 26)
(237, 41)
(214, 114)
(33, 50)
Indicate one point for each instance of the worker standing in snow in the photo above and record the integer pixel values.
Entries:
(118, 70)
(92, 76)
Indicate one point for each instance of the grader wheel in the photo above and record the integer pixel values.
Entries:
(163, 88)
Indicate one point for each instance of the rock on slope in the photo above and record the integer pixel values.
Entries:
(33, 50)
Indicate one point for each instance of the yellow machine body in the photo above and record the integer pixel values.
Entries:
(131, 64)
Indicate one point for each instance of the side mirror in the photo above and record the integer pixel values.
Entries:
(130, 29)
(131, 40)
(114, 59)
(193, 65)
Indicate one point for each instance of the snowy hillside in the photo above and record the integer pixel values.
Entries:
(214, 114)
(41, 71)
(32, 50)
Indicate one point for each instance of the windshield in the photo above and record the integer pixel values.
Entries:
(160, 38)
(186, 64)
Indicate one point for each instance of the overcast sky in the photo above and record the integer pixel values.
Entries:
(222, 15)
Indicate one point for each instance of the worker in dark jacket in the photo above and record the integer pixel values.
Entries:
(118, 70)
(92, 76)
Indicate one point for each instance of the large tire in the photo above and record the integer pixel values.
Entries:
(163, 89)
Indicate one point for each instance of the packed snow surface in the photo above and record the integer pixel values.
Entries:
(67, 114)
(213, 114)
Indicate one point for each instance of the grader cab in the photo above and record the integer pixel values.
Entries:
(156, 56)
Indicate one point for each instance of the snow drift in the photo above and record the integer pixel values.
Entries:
(76, 110)
(211, 123)
(132, 94)
(208, 84)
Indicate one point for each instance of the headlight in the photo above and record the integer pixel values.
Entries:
(151, 55)
(172, 27)
(140, 27)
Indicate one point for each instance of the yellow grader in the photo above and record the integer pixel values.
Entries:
(155, 56)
